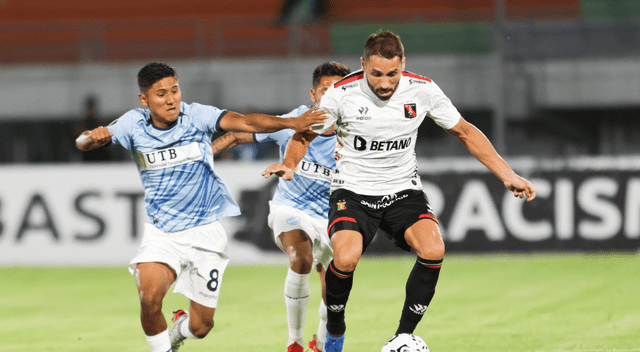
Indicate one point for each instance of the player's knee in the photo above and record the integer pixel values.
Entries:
(434, 251)
(202, 329)
(301, 264)
(346, 263)
(151, 301)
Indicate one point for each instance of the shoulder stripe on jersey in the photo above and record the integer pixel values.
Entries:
(348, 80)
(413, 75)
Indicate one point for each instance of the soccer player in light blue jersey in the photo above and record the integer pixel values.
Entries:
(299, 209)
(184, 244)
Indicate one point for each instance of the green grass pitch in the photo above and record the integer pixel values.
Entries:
(492, 303)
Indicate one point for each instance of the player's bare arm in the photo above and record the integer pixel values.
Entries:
(483, 150)
(95, 138)
(230, 140)
(232, 121)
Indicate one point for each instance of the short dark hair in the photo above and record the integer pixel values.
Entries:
(152, 73)
(385, 44)
(330, 68)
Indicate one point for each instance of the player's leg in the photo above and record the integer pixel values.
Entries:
(200, 281)
(425, 238)
(153, 281)
(200, 321)
(347, 249)
(317, 344)
(298, 246)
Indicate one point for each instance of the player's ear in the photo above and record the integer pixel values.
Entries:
(143, 99)
(362, 63)
(312, 94)
(403, 62)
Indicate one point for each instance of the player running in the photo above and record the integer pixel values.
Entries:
(299, 209)
(377, 112)
(184, 243)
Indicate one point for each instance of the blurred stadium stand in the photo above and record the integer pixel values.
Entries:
(569, 68)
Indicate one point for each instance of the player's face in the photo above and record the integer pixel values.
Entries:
(325, 82)
(383, 75)
(163, 100)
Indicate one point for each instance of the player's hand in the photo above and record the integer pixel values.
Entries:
(520, 187)
(100, 136)
(278, 170)
(302, 123)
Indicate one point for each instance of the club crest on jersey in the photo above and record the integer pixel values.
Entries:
(410, 110)
(342, 205)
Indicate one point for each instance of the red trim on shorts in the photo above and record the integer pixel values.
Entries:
(349, 80)
(343, 218)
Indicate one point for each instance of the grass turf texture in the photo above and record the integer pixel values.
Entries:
(579, 302)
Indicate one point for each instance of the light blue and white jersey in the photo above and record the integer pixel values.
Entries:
(309, 189)
(181, 189)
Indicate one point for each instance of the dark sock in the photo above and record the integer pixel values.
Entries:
(421, 286)
(338, 288)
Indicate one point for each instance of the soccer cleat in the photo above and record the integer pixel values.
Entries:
(313, 345)
(333, 344)
(175, 337)
(294, 347)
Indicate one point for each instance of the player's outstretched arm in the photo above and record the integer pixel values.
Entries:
(296, 149)
(93, 139)
(232, 121)
(483, 150)
(230, 140)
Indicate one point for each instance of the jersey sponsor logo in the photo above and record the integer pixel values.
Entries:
(416, 81)
(361, 144)
(347, 86)
(314, 171)
(384, 202)
(410, 110)
(348, 81)
(169, 157)
(363, 111)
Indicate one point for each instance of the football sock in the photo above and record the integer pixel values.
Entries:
(420, 289)
(185, 330)
(339, 285)
(160, 342)
(322, 326)
(296, 297)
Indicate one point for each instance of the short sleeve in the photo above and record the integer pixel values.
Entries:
(122, 128)
(442, 112)
(205, 117)
(330, 104)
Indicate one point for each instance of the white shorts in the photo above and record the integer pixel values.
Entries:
(198, 256)
(283, 218)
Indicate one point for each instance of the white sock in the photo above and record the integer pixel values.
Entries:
(184, 329)
(322, 326)
(296, 297)
(160, 342)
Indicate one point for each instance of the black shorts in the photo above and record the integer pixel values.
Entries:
(393, 214)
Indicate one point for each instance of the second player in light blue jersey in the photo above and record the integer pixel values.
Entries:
(299, 209)
(184, 244)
